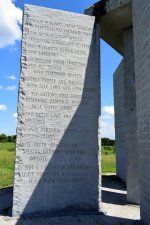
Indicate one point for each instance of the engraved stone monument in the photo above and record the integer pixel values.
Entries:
(57, 165)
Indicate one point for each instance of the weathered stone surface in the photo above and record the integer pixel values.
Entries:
(126, 120)
(114, 17)
(141, 22)
(119, 105)
(130, 119)
(56, 168)
(115, 4)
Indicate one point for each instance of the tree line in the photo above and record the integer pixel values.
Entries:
(9, 138)
(12, 138)
(107, 142)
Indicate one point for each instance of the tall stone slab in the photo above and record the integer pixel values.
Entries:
(141, 26)
(119, 105)
(57, 165)
(130, 119)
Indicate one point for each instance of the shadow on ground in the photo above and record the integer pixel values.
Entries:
(114, 198)
(113, 190)
(72, 220)
(114, 182)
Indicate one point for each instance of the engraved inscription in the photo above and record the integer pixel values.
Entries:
(57, 131)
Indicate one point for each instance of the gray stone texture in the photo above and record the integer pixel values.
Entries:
(115, 4)
(130, 119)
(141, 25)
(126, 120)
(119, 106)
(57, 166)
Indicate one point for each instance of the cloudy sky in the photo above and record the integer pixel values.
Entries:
(10, 48)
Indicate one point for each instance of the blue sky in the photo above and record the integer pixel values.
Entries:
(10, 48)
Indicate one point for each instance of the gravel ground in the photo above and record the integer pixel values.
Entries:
(117, 211)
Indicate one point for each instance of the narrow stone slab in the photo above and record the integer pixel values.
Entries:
(119, 105)
(141, 22)
(131, 144)
(126, 120)
(57, 165)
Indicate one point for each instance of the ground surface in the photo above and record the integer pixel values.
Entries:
(7, 152)
(117, 210)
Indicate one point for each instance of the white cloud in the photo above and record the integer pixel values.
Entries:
(106, 116)
(107, 122)
(1, 87)
(107, 129)
(14, 115)
(108, 110)
(3, 107)
(10, 17)
(12, 77)
(11, 88)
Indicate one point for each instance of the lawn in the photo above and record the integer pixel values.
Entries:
(7, 162)
(108, 159)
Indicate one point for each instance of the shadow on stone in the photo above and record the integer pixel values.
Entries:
(81, 193)
(113, 182)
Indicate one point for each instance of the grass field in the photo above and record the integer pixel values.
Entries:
(108, 159)
(7, 162)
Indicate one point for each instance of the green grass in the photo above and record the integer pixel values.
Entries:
(7, 162)
(108, 159)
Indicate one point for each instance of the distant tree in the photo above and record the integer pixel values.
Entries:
(112, 142)
(14, 138)
(9, 139)
(3, 138)
(107, 142)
